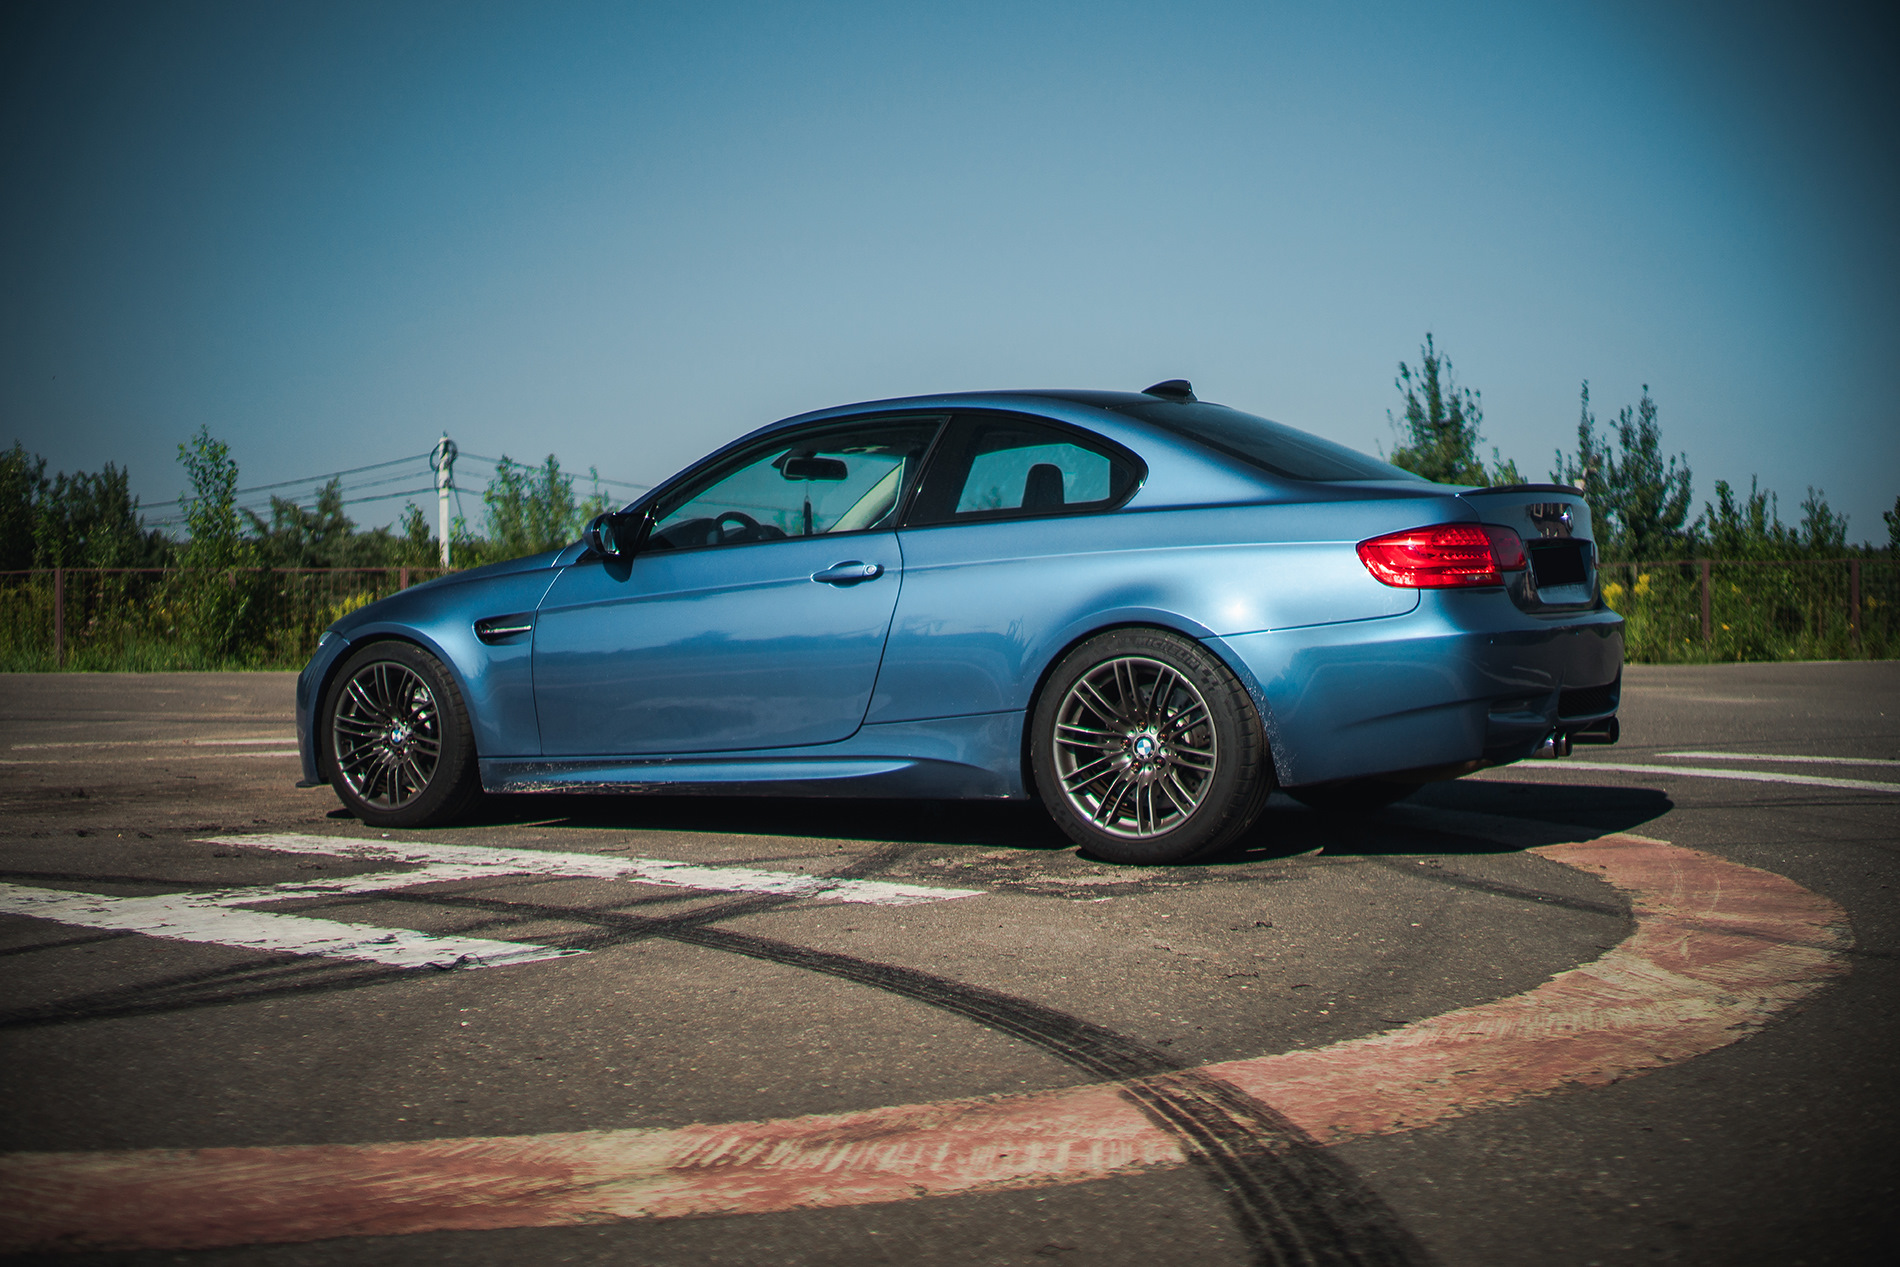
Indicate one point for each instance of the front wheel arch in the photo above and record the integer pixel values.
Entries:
(442, 799)
(322, 689)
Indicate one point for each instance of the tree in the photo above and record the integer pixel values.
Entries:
(77, 520)
(22, 484)
(88, 520)
(296, 537)
(532, 508)
(1586, 470)
(416, 546)
(1440, 435)
(1639, 502)
(210, 508)
(215, 604)
(1747, 529)
(1822, 531)
(1893, 526)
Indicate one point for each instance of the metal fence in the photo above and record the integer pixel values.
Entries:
(157, 618)
(1702, 610)
(1694, 610)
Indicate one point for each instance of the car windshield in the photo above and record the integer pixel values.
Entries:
(1273, 448)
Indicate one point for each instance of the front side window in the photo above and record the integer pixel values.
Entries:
(814, 483)
(1008, 467)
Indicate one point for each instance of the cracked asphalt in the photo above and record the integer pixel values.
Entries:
(700, 1006)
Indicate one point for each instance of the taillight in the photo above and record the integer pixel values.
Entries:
(1445, 556)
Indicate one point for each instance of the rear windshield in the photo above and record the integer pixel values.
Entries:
(1273, 448)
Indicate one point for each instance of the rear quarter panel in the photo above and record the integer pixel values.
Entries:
(986, 608)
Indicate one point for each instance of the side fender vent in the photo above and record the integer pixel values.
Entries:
(500, 630)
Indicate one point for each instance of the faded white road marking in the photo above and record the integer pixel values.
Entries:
(1718, 950)
(479, 860)
(153, 743)
(1768, 756)
(1704, 772)
(168, 756)
(208, 917)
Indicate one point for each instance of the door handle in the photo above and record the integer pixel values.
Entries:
(849, 573)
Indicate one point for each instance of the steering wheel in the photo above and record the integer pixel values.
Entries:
(748, 526)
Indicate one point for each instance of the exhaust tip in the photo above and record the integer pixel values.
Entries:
(1556, 744)
(1603, 732)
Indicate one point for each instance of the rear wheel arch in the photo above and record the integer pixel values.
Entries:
(1186, 629)
(1139, 807)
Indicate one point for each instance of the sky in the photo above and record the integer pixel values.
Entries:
(626, 233)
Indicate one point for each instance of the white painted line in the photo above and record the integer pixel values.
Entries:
(211, 916)
(204, 917)
(469, 861)
(168, 756)
(1704, 772)
(210, 743)
(1717, 951)
(153, 743)
(1765, 756)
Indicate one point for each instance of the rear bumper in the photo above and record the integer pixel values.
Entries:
(1464, 678)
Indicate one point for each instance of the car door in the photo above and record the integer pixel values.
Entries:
(754, 616)
(1007, 540)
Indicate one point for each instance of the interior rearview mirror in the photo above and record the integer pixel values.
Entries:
(814, 469)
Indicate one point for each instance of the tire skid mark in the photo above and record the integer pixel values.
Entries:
(1498, 888)
(1717, 950)
(1293, 1204)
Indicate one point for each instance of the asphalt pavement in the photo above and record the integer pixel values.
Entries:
(1637, 1005)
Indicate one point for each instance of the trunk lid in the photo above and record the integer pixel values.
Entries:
(1554, 521)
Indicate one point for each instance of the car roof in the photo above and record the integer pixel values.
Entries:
(993, 399)
(1180, 472)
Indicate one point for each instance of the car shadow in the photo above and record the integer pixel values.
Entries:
(1543, 814)
(997, 824)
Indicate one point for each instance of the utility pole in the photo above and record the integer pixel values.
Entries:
(442, 458)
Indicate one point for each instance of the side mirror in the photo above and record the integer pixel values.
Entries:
(617, 534)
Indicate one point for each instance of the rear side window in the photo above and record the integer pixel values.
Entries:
(1273, 448)
(1005, 467)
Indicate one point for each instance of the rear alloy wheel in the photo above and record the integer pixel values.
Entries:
(397, 745)
(1147, 749)
(1352, 796)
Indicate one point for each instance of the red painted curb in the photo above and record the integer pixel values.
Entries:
(1718, 949)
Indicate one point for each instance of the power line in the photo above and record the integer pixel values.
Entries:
(355, 470)
(175, 521)
(597, 479)
(177, 518)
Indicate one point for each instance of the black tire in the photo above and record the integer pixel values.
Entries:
(395, 738)
(1147, 749)
(1352, 796)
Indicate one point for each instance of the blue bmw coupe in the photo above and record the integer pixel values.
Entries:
(1144, 609)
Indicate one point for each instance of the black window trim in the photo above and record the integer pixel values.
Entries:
(1089, 439)
(653, 501)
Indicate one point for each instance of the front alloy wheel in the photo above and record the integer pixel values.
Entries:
(1146, 748)
(397, 738)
